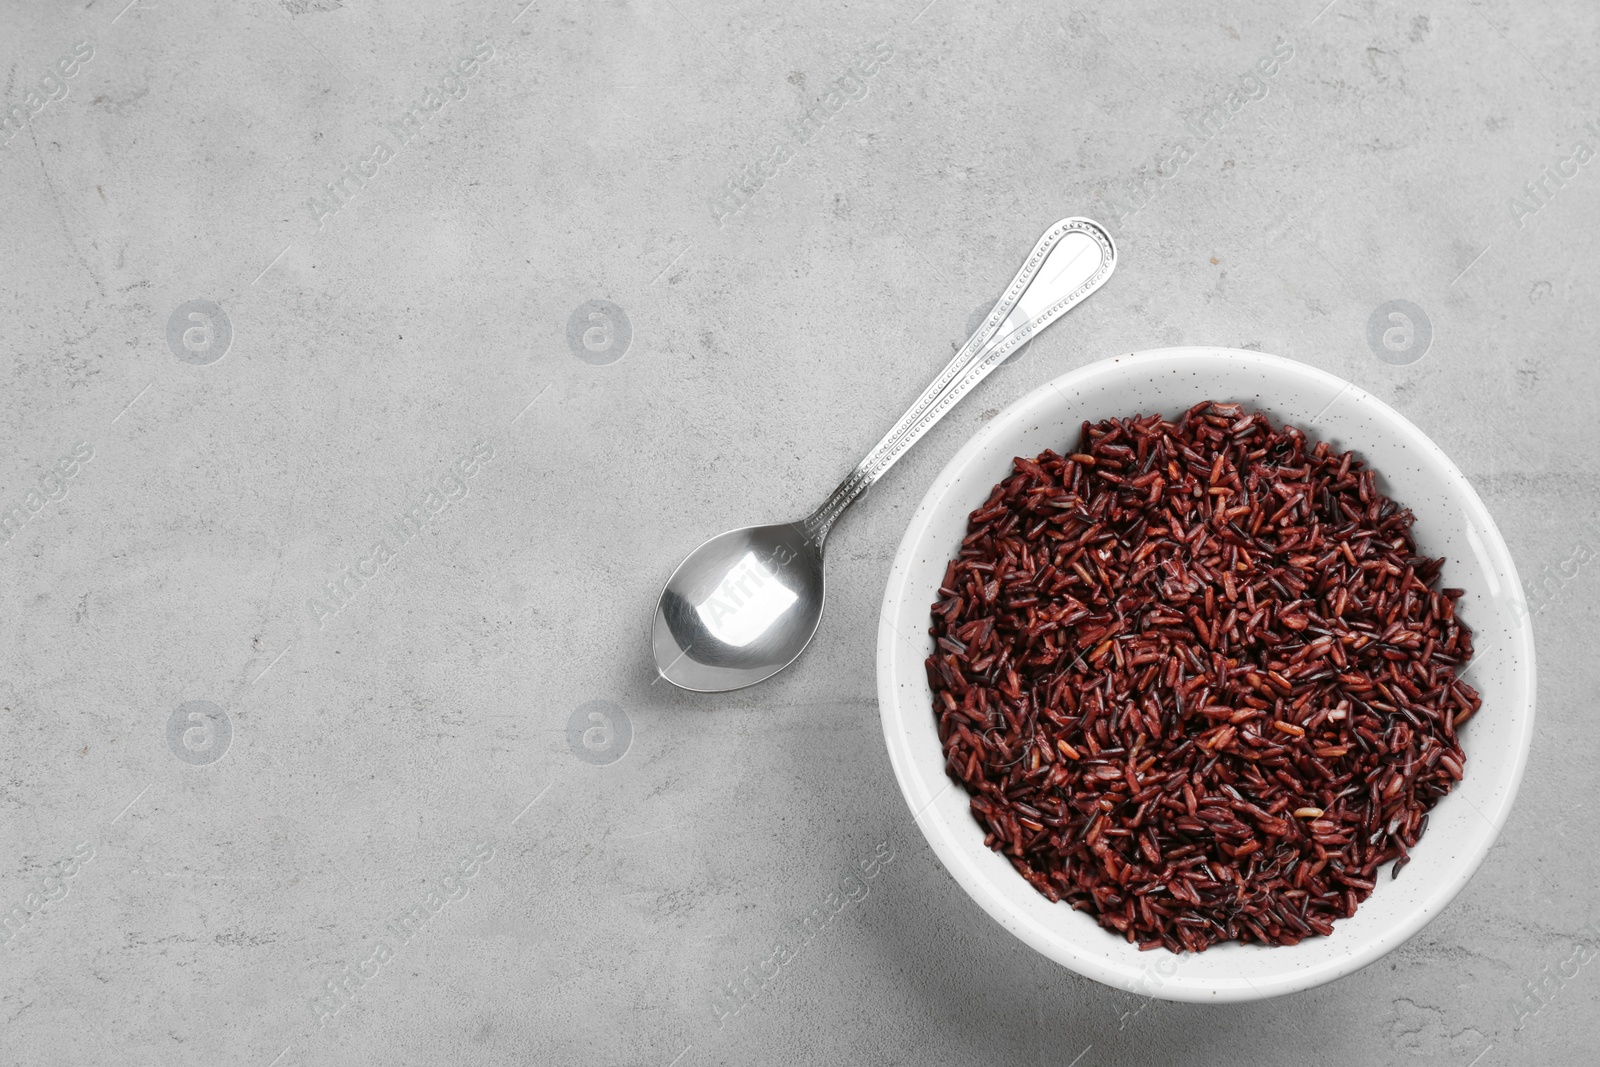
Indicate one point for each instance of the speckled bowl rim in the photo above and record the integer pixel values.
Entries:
(1071, 938)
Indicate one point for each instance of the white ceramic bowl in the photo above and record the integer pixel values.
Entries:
(1451, 522)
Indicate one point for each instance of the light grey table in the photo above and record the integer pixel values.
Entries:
(369, 367)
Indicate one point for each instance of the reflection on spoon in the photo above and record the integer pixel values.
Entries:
(748, 601)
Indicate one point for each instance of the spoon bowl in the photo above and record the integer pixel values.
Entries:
(746, 603)
(740, 608)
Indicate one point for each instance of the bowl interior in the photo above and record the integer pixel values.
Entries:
(1450, 521)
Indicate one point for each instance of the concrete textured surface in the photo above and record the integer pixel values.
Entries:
(368, 367)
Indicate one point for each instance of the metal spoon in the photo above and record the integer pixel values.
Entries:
(746, 603)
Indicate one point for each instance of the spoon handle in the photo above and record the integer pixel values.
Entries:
(1059, 274)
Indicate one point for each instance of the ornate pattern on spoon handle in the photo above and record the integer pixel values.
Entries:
(977, 358)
